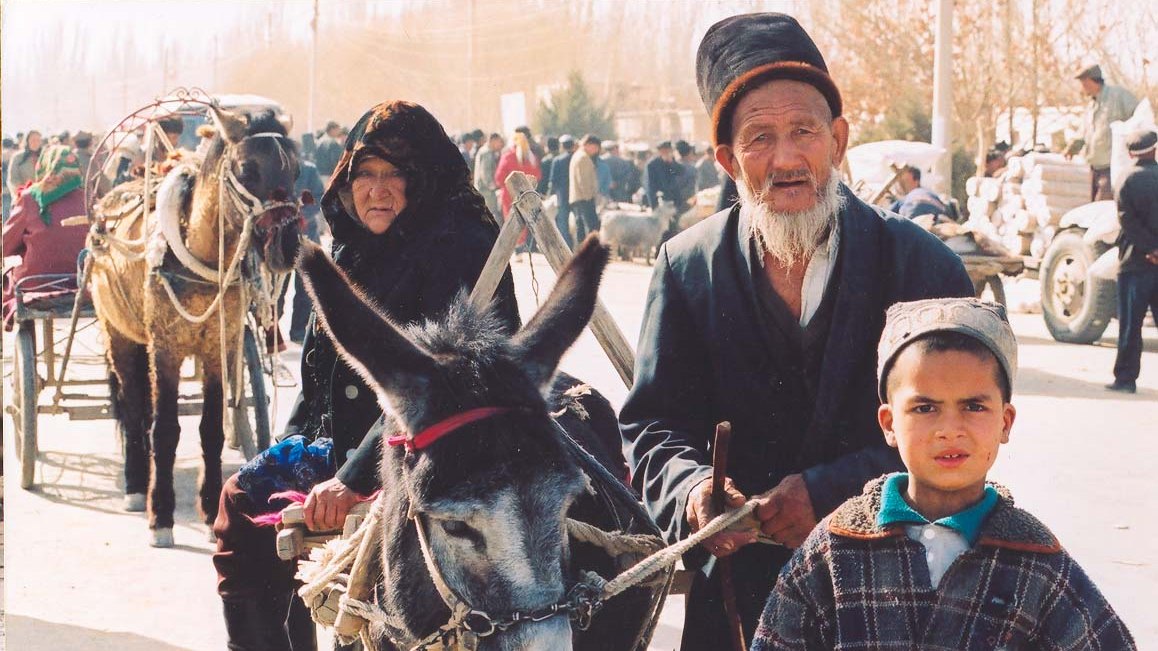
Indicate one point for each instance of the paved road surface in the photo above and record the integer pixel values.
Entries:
(80, 574)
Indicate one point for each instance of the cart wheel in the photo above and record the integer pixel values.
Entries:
(257, 398)
(995, 287)
(24, 398)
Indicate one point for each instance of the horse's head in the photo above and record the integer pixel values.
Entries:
(491, 497)
(258, 164)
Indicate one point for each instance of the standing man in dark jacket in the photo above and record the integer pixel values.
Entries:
(561, 186)
(544, 184)
(411, 232)
(767, 315)
(1137, 199)
(329, 149)
(662, 175)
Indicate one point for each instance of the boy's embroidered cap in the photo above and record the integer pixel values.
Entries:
(982, 320)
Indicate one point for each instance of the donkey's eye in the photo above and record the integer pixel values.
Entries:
(459, 529)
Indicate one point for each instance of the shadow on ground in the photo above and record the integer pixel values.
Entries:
(32, 633)
(1035, 382)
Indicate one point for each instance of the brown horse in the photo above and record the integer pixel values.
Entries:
(157, 288)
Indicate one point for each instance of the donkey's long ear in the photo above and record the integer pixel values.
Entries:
(367, 340)
(561, 319)
(231, 126)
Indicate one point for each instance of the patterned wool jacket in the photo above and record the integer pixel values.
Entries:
(854, 585)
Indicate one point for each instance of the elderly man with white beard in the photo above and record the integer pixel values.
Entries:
(767, 315)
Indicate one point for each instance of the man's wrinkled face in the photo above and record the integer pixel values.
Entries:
(785, 144)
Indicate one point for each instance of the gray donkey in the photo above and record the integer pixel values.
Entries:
(490, 496)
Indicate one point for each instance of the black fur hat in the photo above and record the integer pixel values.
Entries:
(741, 52)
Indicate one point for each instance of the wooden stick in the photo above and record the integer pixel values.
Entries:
(719, 505)
(492, 273)
(528, 207)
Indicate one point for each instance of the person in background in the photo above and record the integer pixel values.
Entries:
(329, 149)
(662, 175)
(620, 171)
(34, 231)
(9, 151)
(544, 184)
(706, 174)
(516, 158)
(485, 165)
(584, 187)
(916, 200)
(767, 315)
(22, 166)
(1107, 104)
(561, 187)
(536, 148)
(686, 177)
(82, 147)
(468, 145)
(1137, 199)
(308, 181)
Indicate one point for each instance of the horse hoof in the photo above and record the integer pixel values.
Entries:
(135, 502)
(162, 537)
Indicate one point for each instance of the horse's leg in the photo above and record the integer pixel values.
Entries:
(166, 369)
(129, 393)
(212, 440)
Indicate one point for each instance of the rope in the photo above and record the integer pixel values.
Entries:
(616, 544)
(669, 556)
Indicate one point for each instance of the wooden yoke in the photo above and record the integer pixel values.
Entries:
(527, 211)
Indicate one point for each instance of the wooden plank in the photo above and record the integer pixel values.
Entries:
(529, 208)
(492, 273)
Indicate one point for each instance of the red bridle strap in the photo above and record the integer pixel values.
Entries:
(428, 436)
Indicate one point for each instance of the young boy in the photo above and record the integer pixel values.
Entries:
(937, 558)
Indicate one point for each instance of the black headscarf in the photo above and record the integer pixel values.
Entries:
(438, 185)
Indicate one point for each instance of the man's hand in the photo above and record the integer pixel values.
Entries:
(327, 505)
(785, 512)
(699, 513)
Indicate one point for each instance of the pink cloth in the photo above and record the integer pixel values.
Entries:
(43, 249)
(508, 163)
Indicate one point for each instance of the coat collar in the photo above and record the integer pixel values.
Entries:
(1007, 526)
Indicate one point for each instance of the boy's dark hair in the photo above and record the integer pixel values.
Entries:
(591, 139)
(947, 340)
(914, 172)
(552, 143)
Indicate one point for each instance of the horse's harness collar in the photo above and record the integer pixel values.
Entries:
(468, 624)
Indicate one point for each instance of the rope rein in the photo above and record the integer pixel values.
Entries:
(327, 569)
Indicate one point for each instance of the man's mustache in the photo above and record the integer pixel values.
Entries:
(788, 176)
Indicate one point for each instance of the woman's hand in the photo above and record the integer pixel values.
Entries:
(327, 505)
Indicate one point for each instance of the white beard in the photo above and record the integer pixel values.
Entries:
(791, 237)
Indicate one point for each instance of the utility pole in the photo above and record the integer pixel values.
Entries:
(313, 68)
(470, 64)
(943, 93)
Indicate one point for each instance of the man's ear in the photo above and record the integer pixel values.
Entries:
(726, 159)
(1008, 415)
(885, 418)
(840, 140)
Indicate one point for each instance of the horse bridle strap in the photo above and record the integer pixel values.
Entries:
(428, 436)
(467, 625)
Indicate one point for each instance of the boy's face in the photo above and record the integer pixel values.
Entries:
(947, 417)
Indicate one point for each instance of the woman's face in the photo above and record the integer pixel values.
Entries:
(379, 190)
(35, 140)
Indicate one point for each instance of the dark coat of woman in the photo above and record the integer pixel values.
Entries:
(708, 352)
(434, 250)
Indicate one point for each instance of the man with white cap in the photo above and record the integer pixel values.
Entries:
(1137, 199)
(767, 315)
(1107, 104)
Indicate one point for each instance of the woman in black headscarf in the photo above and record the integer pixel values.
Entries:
(411, 231)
